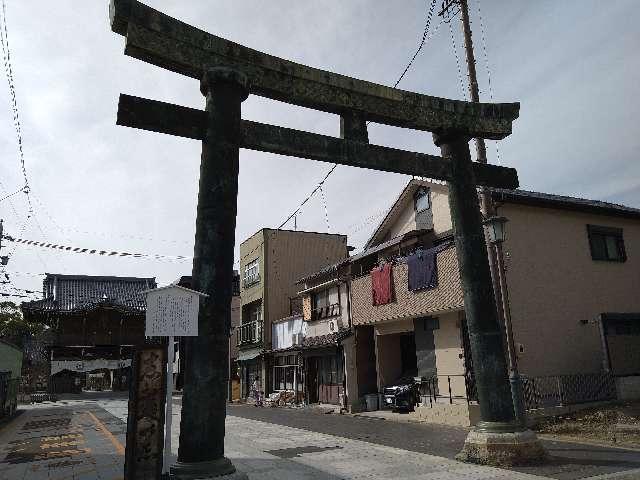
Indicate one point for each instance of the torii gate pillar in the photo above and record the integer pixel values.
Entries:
(496, 439)
(201, 450)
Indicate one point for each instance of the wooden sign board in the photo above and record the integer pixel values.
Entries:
(172, 311)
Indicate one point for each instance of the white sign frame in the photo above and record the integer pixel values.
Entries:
(172, 311)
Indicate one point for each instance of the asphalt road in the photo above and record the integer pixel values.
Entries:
(568, 461)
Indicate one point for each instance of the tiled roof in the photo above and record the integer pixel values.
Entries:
(328, 340)
(74, 293)
(564, 202)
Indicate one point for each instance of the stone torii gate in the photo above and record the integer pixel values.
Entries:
(228, 73)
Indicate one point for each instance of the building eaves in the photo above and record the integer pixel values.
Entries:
(562, 202)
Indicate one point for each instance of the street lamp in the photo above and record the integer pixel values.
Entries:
(496, 227)
(496, 233)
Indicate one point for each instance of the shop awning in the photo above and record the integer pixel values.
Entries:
(245, 355)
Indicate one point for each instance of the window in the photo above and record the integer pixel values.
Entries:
(321, 299)
(422, 200)
(326, 303)
(286, 373)
(606, 243)
(251, 273)
(255, 312)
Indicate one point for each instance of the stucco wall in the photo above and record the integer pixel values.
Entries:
(290, 256)
(251, 249)
(447, 296)
(10, 359)
(554, 283)
(405, 222)
(448, 345)
(406, 218)
(323, 326)
(440, 208)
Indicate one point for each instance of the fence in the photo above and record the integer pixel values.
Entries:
(560, 390)
(431, 391)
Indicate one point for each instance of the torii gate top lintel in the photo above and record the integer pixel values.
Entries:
(157, 38)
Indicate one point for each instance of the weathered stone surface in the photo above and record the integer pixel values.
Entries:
(502, 449)
(159, 39)
(190, 123)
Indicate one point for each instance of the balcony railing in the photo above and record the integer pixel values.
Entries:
(249, 333)
(251, 280)
(325, 312)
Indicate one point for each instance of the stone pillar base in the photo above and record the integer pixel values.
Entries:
(220, 469)
(502, 449)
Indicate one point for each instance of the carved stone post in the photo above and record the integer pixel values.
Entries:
(202, 429)
(496, 439)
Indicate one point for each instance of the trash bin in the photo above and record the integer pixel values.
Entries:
(372, 402)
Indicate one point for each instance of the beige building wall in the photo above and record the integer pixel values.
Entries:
(251, 249)
(449, 354)
(406, 218)
(291, 255)
(554, 285)
(445, 297)
(406, 221)
(322, 326)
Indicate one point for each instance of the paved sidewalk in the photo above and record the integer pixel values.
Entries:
(84, 439)
(62, 443)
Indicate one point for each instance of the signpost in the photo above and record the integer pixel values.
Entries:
(171, 312)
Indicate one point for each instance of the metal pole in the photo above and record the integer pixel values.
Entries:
(204, 402)
(514, 375)
(485, 335)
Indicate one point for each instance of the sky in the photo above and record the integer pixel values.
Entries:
(572, 65)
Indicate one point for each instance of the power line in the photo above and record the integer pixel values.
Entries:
(486, 64)
(4, 41)
(318, 187)
(21, 189)
(454, 47)
(423, 41)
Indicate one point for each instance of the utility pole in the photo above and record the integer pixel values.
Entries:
(495, 255)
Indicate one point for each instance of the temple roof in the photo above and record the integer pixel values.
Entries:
(75, 293)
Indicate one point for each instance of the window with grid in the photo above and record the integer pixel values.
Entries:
(606, 243)
(251, 273)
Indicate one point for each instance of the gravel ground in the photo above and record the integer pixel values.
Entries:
(617, 425)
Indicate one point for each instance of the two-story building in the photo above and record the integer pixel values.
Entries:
(572, 273)
(95, 324)
(271, 261)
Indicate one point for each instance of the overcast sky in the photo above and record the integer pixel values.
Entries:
(573, 66)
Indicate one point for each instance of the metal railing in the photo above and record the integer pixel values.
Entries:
(250, 280)
(249, 333)
(560, 390)
(325, 312)
(430, 389)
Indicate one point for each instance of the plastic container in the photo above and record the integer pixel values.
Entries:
(371, 401)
